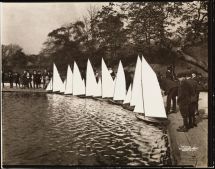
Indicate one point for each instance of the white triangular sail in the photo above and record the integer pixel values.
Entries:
(139, 107)
(107, 82)
(69, 81)
(98, 91)
(138, 96)
(63, 86)
(90, 80)
(120, 84)
(78, 85)
(49, 86)
(57, 82)
(128, 96)
(136, 88)
(153, 101)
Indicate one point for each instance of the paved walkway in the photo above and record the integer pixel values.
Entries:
(190, 148)
(17, 89)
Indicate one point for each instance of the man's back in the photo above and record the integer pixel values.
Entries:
(184, 93)
(194, 93)
(167, 84)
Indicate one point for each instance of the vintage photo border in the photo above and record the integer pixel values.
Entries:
(211, 95)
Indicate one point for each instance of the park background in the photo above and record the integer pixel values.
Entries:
(163, 32)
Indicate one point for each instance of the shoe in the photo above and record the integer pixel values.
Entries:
(191, 126)
(173, 111)
(195, 125)
(181, 126)
(184, 129)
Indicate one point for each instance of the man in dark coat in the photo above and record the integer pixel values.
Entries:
(29, 79)
(17, 79)
(45, 73)
(171, 90)
(24, 79)
(10, 77)
(187, 102)
(193, 102)
(39, 78)
(170, 73)
(34, 77)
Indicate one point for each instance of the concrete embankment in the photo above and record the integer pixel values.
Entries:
(40, 90)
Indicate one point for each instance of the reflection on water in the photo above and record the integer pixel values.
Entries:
(52, 129)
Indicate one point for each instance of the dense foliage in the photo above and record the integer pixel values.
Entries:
(158, 30)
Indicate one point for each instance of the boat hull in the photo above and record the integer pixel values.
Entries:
(116, 102)
(81, 96)
(160, 121)
(128, 107)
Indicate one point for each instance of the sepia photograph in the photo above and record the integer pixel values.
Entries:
(104, 84)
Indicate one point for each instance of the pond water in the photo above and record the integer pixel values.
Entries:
(53, 129)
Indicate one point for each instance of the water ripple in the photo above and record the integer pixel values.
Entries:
(51, 129)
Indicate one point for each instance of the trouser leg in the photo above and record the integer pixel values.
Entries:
(192, 109)
(184, 113)
(197, 105)
(11, 84)
(174, 94)
(44, 84)
(185, 121)
(168, 102)
(174, 103)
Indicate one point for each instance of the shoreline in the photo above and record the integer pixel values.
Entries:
(184, 147)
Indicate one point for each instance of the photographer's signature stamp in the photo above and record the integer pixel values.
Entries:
(188, 148)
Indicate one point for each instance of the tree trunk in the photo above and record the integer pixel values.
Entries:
(187, 58)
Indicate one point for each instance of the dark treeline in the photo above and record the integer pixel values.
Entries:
(161, 31)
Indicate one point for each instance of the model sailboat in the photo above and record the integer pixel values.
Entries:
(107, 82)
(136, 95)
(120, 84)
(69, 81)
(57, 82)
(91, 83)
(78, 83)
(152, 97)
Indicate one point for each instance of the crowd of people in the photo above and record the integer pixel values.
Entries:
(35, 79)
